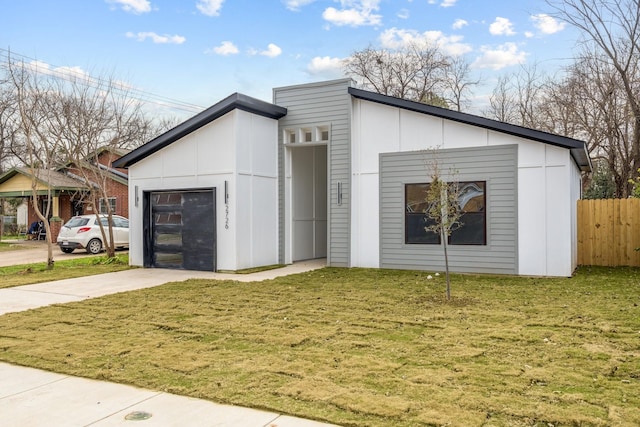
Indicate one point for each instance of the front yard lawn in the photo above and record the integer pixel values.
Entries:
(362, 347)
(27, 274)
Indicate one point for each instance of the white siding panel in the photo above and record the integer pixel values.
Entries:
(148, 168)
(244, 144)
(179, 159)
(531, 154)
(379, 132)
(242, 221)
(458, 135)
(366, 228)
(418, 131)
(556, 156)
(532, 221)
(558, 221)
(216, 145)
(264, 146)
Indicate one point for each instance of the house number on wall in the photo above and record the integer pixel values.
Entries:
(226, 219)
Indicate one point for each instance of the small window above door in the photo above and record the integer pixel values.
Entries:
(307, 135)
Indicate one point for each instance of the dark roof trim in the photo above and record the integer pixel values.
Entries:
(116, 175)
(230, 103)
(577, 148)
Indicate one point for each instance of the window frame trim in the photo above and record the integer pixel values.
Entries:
(485, 243)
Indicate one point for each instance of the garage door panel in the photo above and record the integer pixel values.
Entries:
(198, 233)
(183, 230)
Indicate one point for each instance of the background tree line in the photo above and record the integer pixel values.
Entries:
(50, 120)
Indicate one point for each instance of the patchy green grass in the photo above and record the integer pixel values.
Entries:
(26, 274)
(362, 347)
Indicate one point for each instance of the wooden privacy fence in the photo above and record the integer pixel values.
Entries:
(609, 232)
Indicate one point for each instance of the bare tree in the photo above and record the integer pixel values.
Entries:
(503, 102)
(94, 119)
(416, 72)
(517, 98)
(611, 29)
(458, 83)
(30, 140)
(7, 122)
(69, 120)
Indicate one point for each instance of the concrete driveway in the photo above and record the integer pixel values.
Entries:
(32, 251)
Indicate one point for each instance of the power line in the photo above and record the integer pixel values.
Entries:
(71, 74)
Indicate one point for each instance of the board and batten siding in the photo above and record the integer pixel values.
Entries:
(320, 104)
(497, 165)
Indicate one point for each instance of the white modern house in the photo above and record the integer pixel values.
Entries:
(331, 171)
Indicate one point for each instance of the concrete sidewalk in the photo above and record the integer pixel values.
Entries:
(34, 398)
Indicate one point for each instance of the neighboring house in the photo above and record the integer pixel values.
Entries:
(328, 170)
(67, 187)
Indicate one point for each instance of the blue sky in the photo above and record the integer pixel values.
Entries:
(200, 51)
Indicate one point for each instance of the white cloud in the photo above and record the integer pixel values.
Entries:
(272, 51)
(395, 38)
(497, 58)
(403, 14)
(354, 13)
(459, 23)
(209, 7)
(326, 66)
(547, 24)
(156, 38)
(225, 48)
(65, 72)
(296, 4)
(501, 27)
(443, 3)
(133, 6)
(528, 34)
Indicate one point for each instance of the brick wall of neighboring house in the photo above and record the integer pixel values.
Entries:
(107, 158)
(121, 193)
(113, 188)
(65, 208)
(64, 204)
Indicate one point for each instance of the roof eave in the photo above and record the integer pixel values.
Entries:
(230, 103)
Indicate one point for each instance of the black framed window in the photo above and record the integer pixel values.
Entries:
(472, 200)
(415, 219)
(111, 201)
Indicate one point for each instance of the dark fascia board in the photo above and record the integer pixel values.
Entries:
(230, 103)
(577, 148)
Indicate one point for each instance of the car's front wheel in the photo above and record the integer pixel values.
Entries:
(94, 246)
(66, 250)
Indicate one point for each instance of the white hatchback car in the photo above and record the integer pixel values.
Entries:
(83, 232)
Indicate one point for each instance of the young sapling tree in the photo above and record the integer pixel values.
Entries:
(444, 211)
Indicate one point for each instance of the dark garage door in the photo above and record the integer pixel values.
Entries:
(180, 230)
